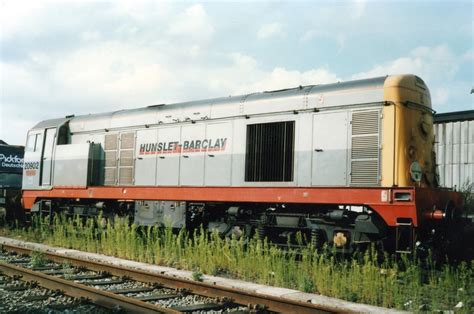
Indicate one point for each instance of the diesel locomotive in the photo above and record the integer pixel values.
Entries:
(346, 164)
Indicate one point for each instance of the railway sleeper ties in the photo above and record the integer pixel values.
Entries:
(182, 295)
(99, 297)
(102, 282)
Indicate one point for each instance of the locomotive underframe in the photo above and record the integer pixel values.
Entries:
(344, 217)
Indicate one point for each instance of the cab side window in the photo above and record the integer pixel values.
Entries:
(30, 143)
(63, 135)
(34, 142)
(39, 142)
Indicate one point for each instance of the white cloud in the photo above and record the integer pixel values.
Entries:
(270, 30)
(308, 36)
(116, 72)
(15, 15)
(192, 23)
(280, 78)
(88, 57)
(440, 95)
(359, 8)
(91, 36)
(468, 56)
(437, 66)
(431, 63)
(115, 75)
(141, 10)
(311, 34)
(243, 61)
(245, 75)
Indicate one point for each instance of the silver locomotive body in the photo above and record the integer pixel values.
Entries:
(209, 143)
(344, 163)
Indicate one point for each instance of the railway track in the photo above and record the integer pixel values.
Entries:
(137, 291)
(18, 296)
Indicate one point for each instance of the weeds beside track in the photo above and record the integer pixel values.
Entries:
(364, 278)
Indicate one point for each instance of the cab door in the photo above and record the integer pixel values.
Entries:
(47, 160)
(32, 160)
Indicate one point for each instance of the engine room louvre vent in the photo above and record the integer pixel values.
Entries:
(119, 158)
(110, 158)
(365, 152)
(365, 122)
(110, 166)
(126, 156)
(127, 140)
(365, 147)
(126, 176)
(111, 141)
(364, 172)
(269, 153)
(110, 176)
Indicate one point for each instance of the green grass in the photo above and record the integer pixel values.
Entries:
(37, 259)
(365, 278)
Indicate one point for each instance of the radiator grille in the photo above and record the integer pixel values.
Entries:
(269, 152)
(365, 151)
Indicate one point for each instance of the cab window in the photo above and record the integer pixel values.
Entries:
(39, 142)
(34, 142)
(30, 143)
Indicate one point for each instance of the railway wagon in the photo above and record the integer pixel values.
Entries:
(11, 170)
(345, 164)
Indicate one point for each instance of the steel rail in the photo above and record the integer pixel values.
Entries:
(272, 303)
(72, 289)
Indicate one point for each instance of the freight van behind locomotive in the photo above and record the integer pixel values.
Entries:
(346, 164)
(11, 169)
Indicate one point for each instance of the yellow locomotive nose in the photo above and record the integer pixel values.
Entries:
(408, 133)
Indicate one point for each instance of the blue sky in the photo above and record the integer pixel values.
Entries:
(64, 57)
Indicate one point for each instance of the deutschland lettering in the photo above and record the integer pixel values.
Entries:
(193, 146)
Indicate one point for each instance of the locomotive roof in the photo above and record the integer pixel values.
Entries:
(299, 98)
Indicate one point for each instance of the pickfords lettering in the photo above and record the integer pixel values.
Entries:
(11, 161)
(192, 146)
